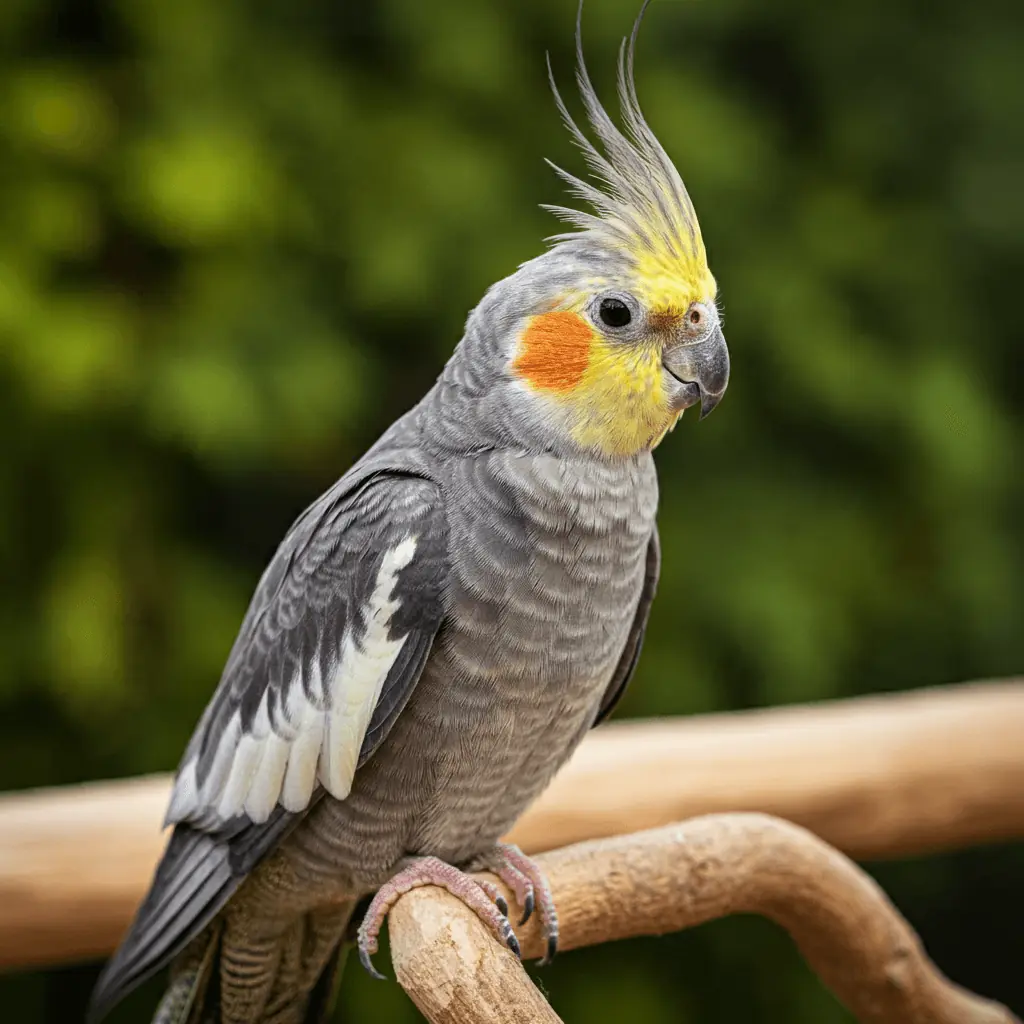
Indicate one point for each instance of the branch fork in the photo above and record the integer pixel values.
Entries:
(676, 877)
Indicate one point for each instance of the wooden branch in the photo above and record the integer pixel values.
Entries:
(677, 877)
(453, 968)
(886, 776)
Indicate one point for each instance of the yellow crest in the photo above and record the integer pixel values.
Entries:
(642, 211)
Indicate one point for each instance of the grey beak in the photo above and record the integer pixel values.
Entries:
(701, 370)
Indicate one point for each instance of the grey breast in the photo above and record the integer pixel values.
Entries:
(547, 565)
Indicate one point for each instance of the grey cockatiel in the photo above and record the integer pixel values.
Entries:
(437, 633)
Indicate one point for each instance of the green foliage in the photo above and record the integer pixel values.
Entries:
(237, 239)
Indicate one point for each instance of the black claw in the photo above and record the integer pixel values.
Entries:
(364, 959)
(513, 944)
(499, 902)
(528, 905)
(552, 949)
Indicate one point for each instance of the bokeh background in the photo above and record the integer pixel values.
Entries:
(238, 238)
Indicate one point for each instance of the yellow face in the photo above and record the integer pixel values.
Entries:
(600, 354)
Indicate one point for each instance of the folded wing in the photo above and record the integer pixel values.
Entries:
(333, 643)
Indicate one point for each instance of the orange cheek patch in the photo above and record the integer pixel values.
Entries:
(554, 351)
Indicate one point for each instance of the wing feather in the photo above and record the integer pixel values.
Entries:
(631, 652)
(297, 699)
(335, 638)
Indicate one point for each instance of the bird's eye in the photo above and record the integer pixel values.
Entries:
(614, 313)
(696, 317)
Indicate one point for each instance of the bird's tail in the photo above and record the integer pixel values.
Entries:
(185, 998)
(302, 989)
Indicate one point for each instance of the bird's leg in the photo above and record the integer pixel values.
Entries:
(431, 871)
(526, 879)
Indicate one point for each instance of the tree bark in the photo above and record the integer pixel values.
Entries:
(676, 877)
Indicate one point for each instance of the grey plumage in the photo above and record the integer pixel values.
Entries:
(290, 637)
(544, 555)
(437, 633)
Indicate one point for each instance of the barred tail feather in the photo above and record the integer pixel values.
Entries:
(185, 998)
(226, 974)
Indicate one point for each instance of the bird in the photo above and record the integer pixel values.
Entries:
(439, 630)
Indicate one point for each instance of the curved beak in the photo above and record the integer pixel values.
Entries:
(701, 372)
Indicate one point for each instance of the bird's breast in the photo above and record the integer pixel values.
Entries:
(546, 568)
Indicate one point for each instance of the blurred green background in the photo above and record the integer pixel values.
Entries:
(237, 239)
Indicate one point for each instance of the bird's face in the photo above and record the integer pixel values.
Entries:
(616, 360)
(614, 331)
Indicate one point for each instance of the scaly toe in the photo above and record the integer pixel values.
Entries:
(526, 879)
(495, 894)
(432, 871)
(517, 880)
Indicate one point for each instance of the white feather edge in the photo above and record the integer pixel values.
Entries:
(254, 772)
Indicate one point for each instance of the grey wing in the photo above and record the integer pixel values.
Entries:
(333, 643)
(631, 652)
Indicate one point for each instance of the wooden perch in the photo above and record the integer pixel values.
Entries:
(882, 776)
(677, 877)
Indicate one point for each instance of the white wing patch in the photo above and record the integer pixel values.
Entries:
(316, 737)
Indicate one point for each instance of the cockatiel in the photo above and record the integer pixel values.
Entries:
(438, 632)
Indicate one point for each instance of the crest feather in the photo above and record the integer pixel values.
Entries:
(639, 201)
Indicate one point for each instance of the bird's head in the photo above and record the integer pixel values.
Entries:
(608, 336)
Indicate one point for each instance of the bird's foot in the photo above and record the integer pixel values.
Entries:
(483, 898)
(526, 879)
